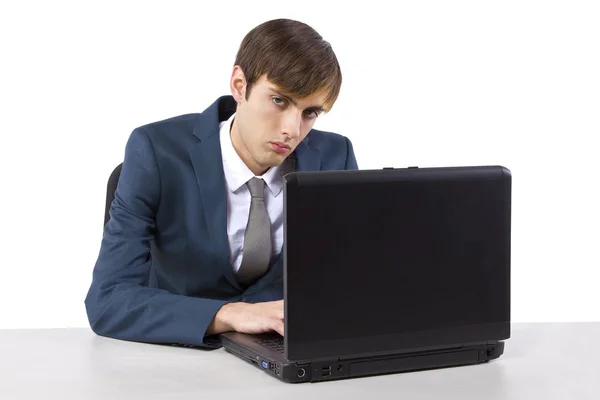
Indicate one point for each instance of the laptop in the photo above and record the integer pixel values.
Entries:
(387, 271)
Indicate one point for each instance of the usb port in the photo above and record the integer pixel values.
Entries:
(326, 371)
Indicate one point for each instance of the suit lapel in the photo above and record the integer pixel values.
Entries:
(208, 165)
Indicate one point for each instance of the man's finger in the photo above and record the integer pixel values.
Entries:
(280, 309)
(278, 327)
(279, 314)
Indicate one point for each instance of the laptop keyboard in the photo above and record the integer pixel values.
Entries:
(275, 344)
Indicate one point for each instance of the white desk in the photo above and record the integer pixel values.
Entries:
(541, 361)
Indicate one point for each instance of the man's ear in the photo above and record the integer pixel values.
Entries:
(238, 84)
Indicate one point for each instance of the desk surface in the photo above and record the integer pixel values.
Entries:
(541, 361)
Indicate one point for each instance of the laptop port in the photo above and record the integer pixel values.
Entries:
(326, 371)
(301, 373)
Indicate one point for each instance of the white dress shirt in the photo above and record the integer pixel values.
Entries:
(238, 197)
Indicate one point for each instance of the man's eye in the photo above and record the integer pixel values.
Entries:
(312, 113)
(278, 101)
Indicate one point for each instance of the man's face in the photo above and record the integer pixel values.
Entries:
(269, 125)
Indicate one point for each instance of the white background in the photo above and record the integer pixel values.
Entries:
(428, 83)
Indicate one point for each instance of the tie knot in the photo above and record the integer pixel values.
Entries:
(256, 187)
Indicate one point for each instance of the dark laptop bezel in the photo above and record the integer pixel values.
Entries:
(387, 344)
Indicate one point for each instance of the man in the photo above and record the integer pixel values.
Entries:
(193, 245)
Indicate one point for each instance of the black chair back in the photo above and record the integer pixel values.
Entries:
(113, 181)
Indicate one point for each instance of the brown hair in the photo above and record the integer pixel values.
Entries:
(293, 56)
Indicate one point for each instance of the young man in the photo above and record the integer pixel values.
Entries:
(193, 245)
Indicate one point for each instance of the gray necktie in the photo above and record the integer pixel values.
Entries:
(256, 254)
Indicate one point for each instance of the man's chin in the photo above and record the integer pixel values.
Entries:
(273, 160)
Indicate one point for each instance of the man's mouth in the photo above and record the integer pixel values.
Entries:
(280, 147)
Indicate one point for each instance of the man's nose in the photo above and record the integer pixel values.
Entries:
(291, 124)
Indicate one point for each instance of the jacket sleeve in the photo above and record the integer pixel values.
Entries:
(350, 157)
(119, 303)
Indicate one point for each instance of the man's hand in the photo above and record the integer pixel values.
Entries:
(248, 318)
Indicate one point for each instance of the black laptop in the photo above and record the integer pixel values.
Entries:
(389, 270)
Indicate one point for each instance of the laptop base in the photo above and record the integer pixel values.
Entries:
(275, 364)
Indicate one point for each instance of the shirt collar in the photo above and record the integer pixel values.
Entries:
(236, 172)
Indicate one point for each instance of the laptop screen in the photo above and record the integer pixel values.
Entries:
(380, 259)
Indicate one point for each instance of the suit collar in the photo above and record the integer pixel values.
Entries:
(207, 124)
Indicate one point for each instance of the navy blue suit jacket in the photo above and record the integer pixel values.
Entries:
(163, 270)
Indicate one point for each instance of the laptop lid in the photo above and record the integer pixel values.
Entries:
(381, 261)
